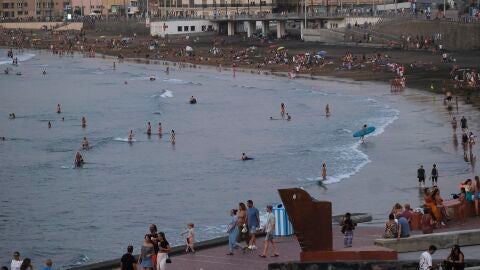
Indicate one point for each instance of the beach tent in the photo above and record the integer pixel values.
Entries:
(280, 48)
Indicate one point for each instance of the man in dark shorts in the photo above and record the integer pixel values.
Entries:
(128, 262)
(421, 176)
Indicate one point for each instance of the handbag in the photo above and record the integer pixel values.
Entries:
(168, 260)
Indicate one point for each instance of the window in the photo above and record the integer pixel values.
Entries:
(192, 28)
(185, 28)
(210, 28)
(179, 29)
(38, 12)
(5, 5)
(252, 3)
(20, 12)
(204, 28)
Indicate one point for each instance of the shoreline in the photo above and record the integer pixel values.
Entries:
(332, 79)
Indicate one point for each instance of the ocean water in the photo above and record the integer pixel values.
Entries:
(76, 216)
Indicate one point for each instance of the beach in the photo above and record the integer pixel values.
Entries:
(125, 187)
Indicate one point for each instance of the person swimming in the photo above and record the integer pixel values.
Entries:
(59, 110)
(11, 116)
(282, 109)
(130, 136)
(79, 160)
(149, 128)
(289, 117)
(49, 124)
(167, 70)
(160, 129)
(172, 136)
(84, 122)
(193, 100)
(44, 72)
(85, 144)
(152, 78)
(126, 82)
(244, 157)
(327, 111)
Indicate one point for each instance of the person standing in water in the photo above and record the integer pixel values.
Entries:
(434, 175)
(327, 111)
(324, 171)
(49, 124)
(79, 160)
(454, 123)
(364, 131)
(421, 176)
(85, 144)
(149, 129)
(59, 110)
(289, 117)
(84, 122)
(463, 123)
(130, 136)
(282, 109)
(172, 137)
(160, 129)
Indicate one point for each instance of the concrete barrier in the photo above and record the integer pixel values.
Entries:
(41, 25)
(440, 240)
(391, 265)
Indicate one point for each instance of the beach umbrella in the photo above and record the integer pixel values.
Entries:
(280, 48)
(189, 49)
(322, 53)
(273, 46)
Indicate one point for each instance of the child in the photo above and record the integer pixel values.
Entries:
(347, 229)
(190, 232)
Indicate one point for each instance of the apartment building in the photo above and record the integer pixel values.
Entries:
(198, 8)
(23, 9)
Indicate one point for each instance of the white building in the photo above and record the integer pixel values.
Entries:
(181, 27)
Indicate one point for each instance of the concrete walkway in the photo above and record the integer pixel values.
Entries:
(289, 249)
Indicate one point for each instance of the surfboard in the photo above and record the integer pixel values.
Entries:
(362, 132)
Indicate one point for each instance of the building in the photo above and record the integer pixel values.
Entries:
(22, 9)
(202, 8)
(181, 27)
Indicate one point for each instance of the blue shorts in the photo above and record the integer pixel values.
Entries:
(252, 229)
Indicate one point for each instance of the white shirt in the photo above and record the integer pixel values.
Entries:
(270, 225)
(425, 261)
(15, 265)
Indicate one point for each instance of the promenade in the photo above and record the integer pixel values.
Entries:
(289, 249)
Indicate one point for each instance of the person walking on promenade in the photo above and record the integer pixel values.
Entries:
(426, 259)
(154, 237)
(127, 262)
(48, 264)
(164, 249)
(233, 231)
(434, 175)
(253, 222)
(242, 223)
(347, 230)
(421, 176)
(26, 264)
(145, 258)
(190, 232)
(16, 262)
(269, 228)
